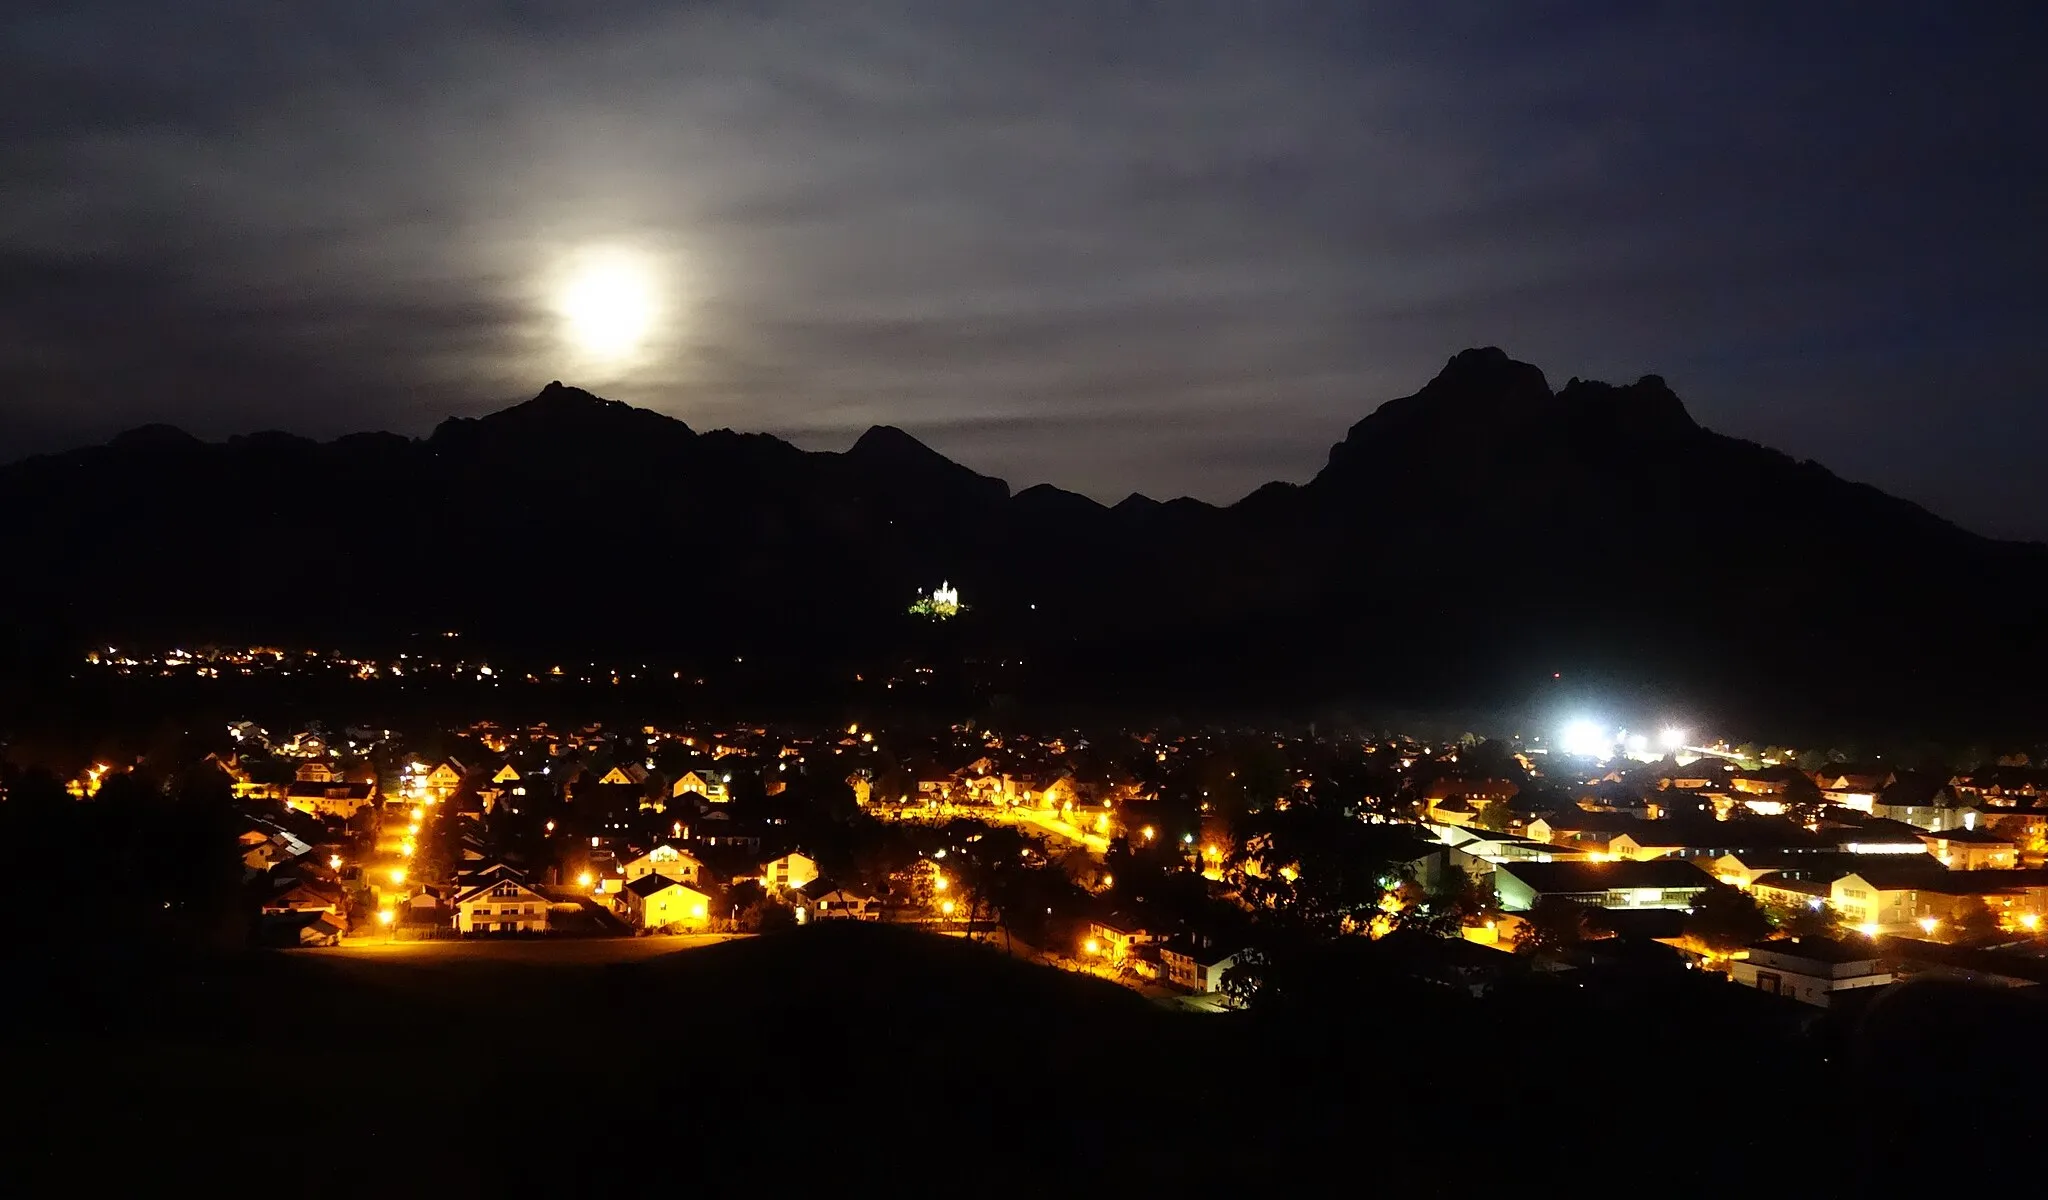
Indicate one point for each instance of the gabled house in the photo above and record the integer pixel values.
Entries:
(847, 903)
(1972, 850)
(1915, 800)
(501, 905)
(1852, 788)
(629, 774)
(318, 770)
(679, 865)
(334, 797)
(1195, 963)
(708, 785)
(792, 871)
(1578, 828)
(446, 777)
(658, 902)
(1114, 937)
(305, 895)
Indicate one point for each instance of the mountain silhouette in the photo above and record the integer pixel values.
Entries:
(1461, 542)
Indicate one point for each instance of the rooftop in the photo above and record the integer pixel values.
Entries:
(1600, 877)
(1819, 949)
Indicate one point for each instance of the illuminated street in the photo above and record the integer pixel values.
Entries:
(555, 951)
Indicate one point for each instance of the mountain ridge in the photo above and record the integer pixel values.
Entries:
(1483, 528)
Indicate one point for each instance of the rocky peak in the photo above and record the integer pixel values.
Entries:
(1646, 410)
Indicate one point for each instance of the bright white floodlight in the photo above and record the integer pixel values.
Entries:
(1585, 739)
(1671, 739)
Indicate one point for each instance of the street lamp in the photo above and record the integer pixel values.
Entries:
(386, 917)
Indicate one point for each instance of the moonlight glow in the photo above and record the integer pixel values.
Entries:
(608, 301)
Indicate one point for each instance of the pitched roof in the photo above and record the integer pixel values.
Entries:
(497, 881)
(1819, 949)
(1568, 877)
(1968, 837)
(648, 885)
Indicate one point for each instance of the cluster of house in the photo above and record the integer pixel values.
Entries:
(1920, 868)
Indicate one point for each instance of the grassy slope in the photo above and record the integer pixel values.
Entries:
(848, 1057)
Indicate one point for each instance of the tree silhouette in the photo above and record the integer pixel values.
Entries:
(1974, 919)
(1553, 924)
(1725, 919)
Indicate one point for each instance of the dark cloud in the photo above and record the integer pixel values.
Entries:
(1175, 248)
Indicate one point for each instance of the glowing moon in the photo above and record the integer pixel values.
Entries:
(608, 300)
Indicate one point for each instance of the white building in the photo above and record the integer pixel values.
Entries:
(1810, 970)
(501, 905)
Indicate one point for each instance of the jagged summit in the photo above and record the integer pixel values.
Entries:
(889, 450)
(561, 412)
(890, 442)
(1486, 405)
(558, 395)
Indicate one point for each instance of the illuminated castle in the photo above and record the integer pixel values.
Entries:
(943, 602)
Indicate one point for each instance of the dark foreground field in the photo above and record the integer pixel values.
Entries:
(878, 1061)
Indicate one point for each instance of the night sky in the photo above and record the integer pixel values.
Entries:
(1170, 247)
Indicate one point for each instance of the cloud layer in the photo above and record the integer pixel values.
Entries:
(1115, 246)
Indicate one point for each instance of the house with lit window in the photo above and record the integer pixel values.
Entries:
(658, 902)
(708, 785)
(1114, 937)
(501, 905)
(624, 775)
(1854, 789)
(1916, 899)
(443, 781)
(1811, 970)
(334, 797)
(1195, 964)
(847, 903)
(793, 870)
(1972, 850)
(679, 865)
